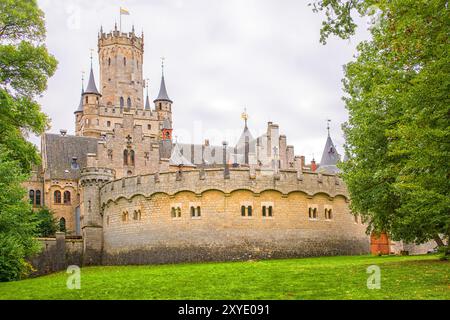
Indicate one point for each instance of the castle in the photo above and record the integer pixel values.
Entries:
(136, 196)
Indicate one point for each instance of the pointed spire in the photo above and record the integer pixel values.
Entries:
(163, 96)
(91, 87)
(80, 106)
(177, 158)
(147, 100)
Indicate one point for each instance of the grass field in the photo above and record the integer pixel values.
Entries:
(415, 277)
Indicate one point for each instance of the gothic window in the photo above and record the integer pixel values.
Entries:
(31, 194)
(129, 102)
(38, 197)
(109, 61)
(122, 102)
(124, 61)
(57, 196)
(249, 211)
(62, 225)
(160, 106)
(125, 157)
(243, 211)
(132, 157)
(67, 197)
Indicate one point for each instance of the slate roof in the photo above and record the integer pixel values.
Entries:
(92, 88)
(330, 158)
(80, 106)
(147, 103)
(163, 96)
(61, 149)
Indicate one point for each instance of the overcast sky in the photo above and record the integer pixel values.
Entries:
(221, 56)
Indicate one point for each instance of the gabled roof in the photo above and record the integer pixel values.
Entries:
(60, 151)
(177, 159)
(92, 88)
(163, 96)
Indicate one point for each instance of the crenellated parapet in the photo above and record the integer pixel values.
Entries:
(200, 181)
(96, 176)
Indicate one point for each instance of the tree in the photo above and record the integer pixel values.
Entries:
(17, 222)
(47, 224)
(25, 66)
(397, 94)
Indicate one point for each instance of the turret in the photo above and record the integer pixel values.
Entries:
(91, 180)
(121, 63)
(89, 122)
(163, 104)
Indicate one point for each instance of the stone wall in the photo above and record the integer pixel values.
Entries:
(57, 254)
(138, 226)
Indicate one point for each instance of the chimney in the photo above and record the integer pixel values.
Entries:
(63, 132)
(206, 142)
(313, 165)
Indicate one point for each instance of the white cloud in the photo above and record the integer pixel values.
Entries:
(221, 56)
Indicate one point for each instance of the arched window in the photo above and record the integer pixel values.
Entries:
(31, 194)
(67, 197)
(87, 100)
(199, 212)
(109, 61)
(132, 157)
(192, 211)
(250, 211)
(38, 197)
(125, 157)
(57, 196)
(122, 102)
(243, 211)
(124, 61)
(62, 225)
(129, 102)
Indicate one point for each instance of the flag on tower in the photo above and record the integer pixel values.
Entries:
(124, 12)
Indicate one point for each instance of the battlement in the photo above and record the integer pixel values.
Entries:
(116, 111)
(93, 175)
(120, 38)
(199, 181)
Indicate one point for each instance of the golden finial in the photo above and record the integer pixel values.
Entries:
(244, 116)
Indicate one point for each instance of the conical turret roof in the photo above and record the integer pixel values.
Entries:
(92, 88)
(163, 96)
(330, 158)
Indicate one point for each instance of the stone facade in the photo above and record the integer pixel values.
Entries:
(136, 197)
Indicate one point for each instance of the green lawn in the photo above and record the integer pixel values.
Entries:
(415, 277)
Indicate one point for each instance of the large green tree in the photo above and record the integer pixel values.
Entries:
(398, 133)
(25, 66)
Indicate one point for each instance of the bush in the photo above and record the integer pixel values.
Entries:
(47, 224)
